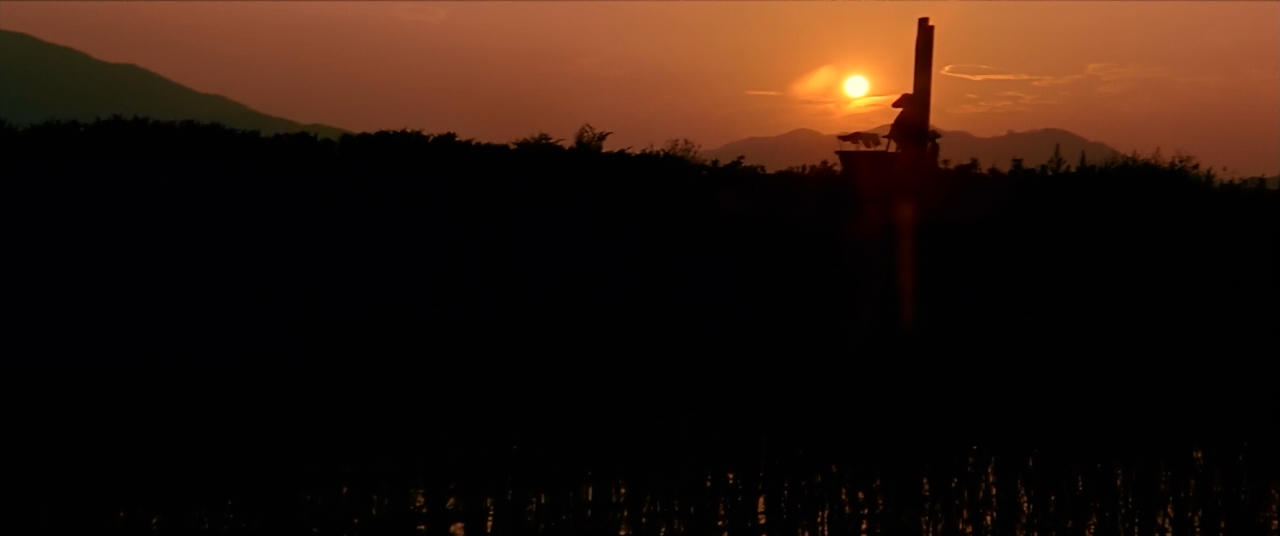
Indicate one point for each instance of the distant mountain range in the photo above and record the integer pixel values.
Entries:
(40, 81)
(806, 146)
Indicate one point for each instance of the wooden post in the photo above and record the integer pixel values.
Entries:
(904, 214)
(888, 188)
(914, 175)
(923, 82)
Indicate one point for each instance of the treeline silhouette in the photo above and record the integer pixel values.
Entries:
(196, 309)
(135, 212)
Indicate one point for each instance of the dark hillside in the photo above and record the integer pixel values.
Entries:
(196, 313)
(200, 225)
(41, 81)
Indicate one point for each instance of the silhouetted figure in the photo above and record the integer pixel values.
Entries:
(909, 131)
(906, 129)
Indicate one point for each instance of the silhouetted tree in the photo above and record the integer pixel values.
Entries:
(1057, 164)
(590, 139)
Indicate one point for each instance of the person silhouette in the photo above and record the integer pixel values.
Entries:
(906, 129)
(910, 130)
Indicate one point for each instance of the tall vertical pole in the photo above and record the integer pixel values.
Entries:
(923, 82)
(905, 212)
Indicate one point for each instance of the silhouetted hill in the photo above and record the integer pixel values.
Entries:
(798, 147)
(807, 146)
(43, 81)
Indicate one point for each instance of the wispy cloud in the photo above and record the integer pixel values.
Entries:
(984, 107)
(1106, 72)
(820, 93)
(1057, 80)
(821, 83)
(1111, 88)
(1119, 78)
(1026, 98)
(983, 72)
(1113, 71)
(862, 105)
(1005, 101)
(1112, 78)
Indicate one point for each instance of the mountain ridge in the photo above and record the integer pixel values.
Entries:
(807, 146)
(45, 81)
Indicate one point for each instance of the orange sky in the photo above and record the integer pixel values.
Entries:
(1204, 77)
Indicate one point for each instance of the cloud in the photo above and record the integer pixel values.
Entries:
(1113, 78)
(820, 83)
(985, 106)
(1112, 88)
(842, 107)
(764, 93)
(1005, 101)
(862, 105)
(820, 93)
(1106, 72)
(1112, 71)
(983, 72)
(1053, 81)
(1026, 98)
(1119, 78)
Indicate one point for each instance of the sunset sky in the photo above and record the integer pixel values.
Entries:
(1199, 76)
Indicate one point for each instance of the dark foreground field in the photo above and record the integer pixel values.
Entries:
(207, 327)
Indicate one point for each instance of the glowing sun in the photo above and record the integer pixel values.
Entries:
(856, 86)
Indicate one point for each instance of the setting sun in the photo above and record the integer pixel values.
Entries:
(856, 86)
